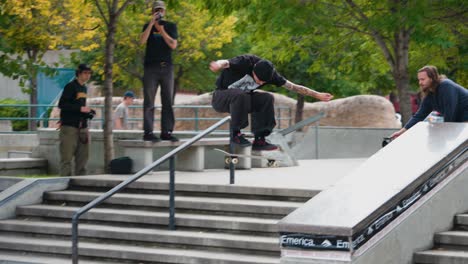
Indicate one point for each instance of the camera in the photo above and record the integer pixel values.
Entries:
(90, 115)
(158, 16)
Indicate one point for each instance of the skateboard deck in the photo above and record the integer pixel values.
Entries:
(234, 158)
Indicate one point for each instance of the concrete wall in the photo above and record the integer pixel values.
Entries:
(339, 142)
(17, 142)
(334, 142)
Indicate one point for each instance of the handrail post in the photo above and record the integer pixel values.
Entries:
(171, 193)
(316, 140)
(279, 118)
(196, 118)
(75, 239)
(231, 150)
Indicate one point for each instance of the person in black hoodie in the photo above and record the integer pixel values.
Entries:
(74, 116)
(236, 94)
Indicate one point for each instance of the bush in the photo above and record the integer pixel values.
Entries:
(15, 111)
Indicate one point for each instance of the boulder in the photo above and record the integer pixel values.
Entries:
(354, 111)
(370, 111)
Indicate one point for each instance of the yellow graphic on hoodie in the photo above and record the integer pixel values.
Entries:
(80, 95)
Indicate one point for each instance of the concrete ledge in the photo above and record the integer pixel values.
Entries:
(148, 144)
(357, 215)
(26, 192)
(17, 142)
(190, 159)
(22, 166)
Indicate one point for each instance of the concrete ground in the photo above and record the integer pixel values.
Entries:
(310, 174)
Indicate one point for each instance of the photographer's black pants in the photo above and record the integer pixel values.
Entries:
(239, 104)
(154, 76)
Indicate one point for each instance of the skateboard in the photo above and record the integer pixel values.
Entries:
(234, 158)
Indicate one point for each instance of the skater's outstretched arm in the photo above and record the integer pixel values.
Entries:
(307, 91)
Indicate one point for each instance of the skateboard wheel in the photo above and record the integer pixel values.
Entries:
(272, 163)
(235, 160)
(227, 160)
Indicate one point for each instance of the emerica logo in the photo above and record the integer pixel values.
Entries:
(297, 241)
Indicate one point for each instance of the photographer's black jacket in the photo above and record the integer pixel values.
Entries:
(157, 50)
(72, 99)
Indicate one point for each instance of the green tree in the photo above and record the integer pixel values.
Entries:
(359, 43)
(202, 38)
(28, 29)
(109, 13)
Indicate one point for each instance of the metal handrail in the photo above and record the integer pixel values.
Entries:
(196, 118)
(170, 155)
(302, 124)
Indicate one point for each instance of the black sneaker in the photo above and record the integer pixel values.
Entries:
(151, 137)
(168, 136)
(240, 140)
(262, 144)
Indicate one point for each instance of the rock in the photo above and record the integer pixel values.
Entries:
(354, 111)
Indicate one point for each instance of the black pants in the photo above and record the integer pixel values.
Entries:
(162, 75)
(239, 104)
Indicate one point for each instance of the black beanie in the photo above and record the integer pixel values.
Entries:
(264, 70)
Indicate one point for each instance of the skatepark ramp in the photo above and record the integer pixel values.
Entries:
(388, 209)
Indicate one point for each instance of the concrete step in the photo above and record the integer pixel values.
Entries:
(441, 256)
(217, 204)
(152, 235)
(238, 223)
(106, 181)
(129, 252)
(20, 257)
(22, 166)
(454, 237)
(461, 219)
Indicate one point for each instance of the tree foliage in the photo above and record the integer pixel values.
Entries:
(29, 28)
(201, 39)
(356, 45)
(32, 27)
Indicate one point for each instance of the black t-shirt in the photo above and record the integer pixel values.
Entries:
(239, 67)
(70, 103)
(157, 50)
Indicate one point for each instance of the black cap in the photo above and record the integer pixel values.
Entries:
(129, 94)
(264, 70)
(83, 67)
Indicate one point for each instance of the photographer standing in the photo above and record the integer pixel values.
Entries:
(74, 115)
(160, 37)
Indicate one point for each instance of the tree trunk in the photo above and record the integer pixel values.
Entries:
(299, 109)
(32, 54)
(401, 74)
(108, 92)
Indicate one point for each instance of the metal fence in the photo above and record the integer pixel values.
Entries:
(283, 115)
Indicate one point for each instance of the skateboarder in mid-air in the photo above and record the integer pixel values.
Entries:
(235, 94)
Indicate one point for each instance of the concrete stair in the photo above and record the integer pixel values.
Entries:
(215, 224)
(450, 247)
